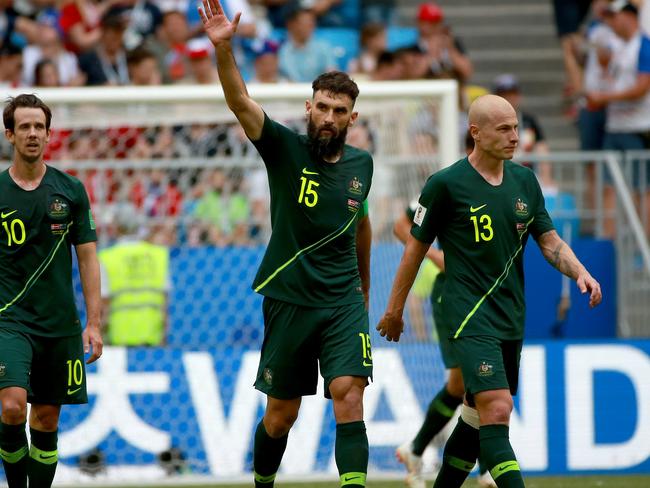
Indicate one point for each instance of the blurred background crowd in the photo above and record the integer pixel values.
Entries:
(57, 43)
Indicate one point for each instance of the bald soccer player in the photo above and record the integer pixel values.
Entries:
(482, 210)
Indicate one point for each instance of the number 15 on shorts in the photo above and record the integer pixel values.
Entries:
(366, 349)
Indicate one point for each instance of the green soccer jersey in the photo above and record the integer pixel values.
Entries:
(482, 230)
(37, 229)
(311, 258)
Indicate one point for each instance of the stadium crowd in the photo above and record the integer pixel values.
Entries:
(58, 43)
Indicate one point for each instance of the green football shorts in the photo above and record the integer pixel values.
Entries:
(51, 369)
(442, 330)
(297, 339)
(488, 363)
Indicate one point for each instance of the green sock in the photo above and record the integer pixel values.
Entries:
(14, 450)
(499, 457)
(440, 411)
(267, 455)
(351, 453)
(459, 456)
(43, 457)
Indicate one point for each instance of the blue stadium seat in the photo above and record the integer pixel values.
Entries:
(401, 37)
(345, 42)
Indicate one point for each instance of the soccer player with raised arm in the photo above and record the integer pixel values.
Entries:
(315, 275)
(43, 212)
(482, 209)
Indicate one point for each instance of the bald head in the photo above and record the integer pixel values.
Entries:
(493, 126)
(489, 109)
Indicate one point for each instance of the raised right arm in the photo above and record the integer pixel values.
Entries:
(220, 31)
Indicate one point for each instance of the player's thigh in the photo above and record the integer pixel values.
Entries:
(345, 348)
(16, 355)
(289, 359)
(482, 363)
(58, 371)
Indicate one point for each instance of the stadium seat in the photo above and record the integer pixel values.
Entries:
(345, 42)
(400, 37)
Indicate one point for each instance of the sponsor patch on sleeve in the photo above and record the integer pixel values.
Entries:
(420, 212)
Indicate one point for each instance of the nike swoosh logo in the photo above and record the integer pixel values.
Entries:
(47, 457)
(476, 209)
(367, 364)
(305, 171)
(352, 478)
(507, 466)
(72, 392)
(5, 215)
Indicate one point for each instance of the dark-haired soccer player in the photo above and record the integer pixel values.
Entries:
(482, 209)
(315, 275)
(43, 212)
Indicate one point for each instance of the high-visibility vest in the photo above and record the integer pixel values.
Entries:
(137, 275)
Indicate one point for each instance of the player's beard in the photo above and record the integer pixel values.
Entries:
(325, 148)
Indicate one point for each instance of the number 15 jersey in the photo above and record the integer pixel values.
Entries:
(482, 229)
(311, 258)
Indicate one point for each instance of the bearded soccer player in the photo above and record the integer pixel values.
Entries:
(43, 212)
(482, 209)
(316, 270)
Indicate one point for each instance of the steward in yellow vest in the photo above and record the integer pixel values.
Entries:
(135, 282)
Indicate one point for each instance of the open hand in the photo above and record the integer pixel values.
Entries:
(215, 23)
(391, 327)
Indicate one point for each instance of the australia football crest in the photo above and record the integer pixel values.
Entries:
(58, 207)
(355, 186)
(521, 208)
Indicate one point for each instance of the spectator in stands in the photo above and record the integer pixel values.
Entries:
(175, 33)
(302, 58)
(388, 68)
(50, 47)
(202, 62)
(80, 23)
(135, 285)
(446, 54)
(46, 74)
(627, 97)
(11, 66)
(329, 13)
(155, 195)
(414, 63)
(13, 25)
(223, 212)
(267, 63)
(377, 11)
(602, 42)
(372, 41)
(531, 136)
(143, 19)
(143, 67)
(569, 16)
(106, 63)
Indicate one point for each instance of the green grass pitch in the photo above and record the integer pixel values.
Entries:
(531, 482)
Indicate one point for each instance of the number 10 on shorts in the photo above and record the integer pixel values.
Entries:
(365, 347)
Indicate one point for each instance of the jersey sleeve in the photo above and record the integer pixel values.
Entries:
(267, 144)
(427, 218)
(542, 222)
(83, 227)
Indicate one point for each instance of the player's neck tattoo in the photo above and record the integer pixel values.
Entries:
(325, 149)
